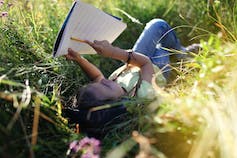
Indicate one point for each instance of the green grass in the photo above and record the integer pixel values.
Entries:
(194, 118)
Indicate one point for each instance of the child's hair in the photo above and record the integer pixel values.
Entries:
(87, 99)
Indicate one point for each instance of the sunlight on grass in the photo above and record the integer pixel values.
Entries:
(195, 116)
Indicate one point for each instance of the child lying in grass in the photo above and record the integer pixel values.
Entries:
(149, 58)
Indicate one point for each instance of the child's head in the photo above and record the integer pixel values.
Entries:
(98, 93)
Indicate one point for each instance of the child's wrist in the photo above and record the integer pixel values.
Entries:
(79, 59)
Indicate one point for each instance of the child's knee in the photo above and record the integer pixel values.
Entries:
(157, 24)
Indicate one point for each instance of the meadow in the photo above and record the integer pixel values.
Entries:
(195, 117)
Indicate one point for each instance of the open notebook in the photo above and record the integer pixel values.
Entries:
(86, 22)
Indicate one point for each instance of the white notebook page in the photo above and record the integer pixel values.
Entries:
(88, 23)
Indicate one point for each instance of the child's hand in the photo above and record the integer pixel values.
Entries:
(102, 47)
(72, 55)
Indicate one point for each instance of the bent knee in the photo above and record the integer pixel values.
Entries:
(156, 24)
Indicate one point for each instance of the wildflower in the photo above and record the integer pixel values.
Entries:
(87, 147)
(4, 14)
(90, 145)
(1, 2)
(73, 147)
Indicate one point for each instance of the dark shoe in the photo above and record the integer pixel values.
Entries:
(188, 52)
(194, 48)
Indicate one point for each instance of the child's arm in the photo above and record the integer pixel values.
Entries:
(143, 62)
(91, 70)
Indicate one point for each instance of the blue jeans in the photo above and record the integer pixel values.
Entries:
(156, 36)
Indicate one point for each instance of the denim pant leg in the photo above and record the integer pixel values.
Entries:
(158, 34)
